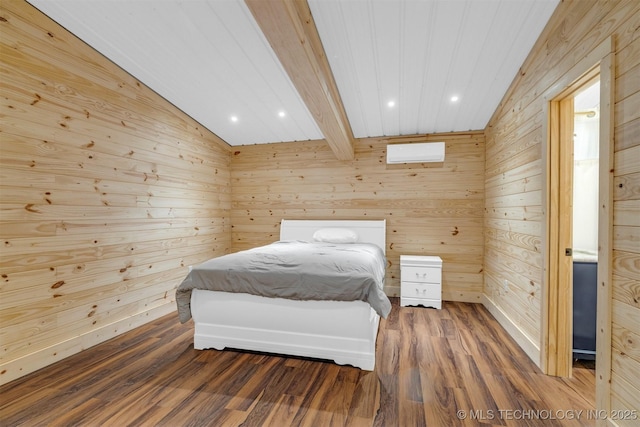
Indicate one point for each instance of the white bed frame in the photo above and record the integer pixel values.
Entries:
(342, 331)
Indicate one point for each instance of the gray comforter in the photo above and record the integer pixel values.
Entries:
(295, 270)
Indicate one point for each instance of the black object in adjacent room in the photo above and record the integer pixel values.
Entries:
(585, 286)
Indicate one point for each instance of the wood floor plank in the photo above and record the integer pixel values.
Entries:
(18, 409)
(71, 417)
(365, 401)
(477, 390)
(284, 411)
(273, 390)
(453, 367)
(257, 382)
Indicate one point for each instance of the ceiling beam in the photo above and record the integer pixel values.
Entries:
(291, 31)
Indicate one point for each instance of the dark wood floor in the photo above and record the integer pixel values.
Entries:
(454, 366)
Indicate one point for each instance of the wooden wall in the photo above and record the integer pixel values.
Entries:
(514, 200)
(108, 193)
(431, 209)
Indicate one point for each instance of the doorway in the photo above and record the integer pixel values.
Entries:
(567, 112)
(557, 342)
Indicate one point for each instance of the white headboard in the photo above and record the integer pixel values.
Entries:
(369, 231)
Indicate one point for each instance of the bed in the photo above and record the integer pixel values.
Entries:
(343, 331)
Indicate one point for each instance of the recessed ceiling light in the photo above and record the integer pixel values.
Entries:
(454, 98)
(391, 104)
(234, 119)
(281, 114)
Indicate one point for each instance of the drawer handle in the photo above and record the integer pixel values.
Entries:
(424, 275)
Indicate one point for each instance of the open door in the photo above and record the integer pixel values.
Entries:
(557, 344)
(573, 230)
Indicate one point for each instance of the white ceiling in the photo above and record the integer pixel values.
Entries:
(211, 60)
(420, 54)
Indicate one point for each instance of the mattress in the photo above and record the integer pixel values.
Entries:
(294, 270)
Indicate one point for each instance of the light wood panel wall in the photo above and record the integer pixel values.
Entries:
(431, 209)
(514, 221)
(108, 193)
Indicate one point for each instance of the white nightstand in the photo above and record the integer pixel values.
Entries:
(421, 281)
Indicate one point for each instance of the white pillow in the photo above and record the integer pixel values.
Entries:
(335, 235)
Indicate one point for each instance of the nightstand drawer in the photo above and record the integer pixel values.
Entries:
(420, 290)
(421, 274)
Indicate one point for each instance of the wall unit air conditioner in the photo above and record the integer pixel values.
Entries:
(422, 152)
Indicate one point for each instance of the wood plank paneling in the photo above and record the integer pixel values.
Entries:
(576, 29)
(433, 209)
(108, 193)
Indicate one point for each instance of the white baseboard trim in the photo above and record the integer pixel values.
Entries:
(531, 348)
